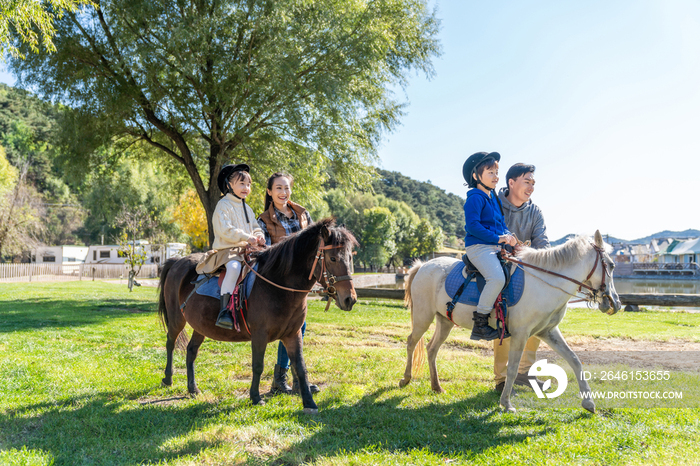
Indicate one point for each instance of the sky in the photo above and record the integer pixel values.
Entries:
(602, 97)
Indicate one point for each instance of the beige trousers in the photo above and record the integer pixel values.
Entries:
(500, 357)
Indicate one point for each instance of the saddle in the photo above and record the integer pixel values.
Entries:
(236, 298)
(470, 269)
(468, 273)
(210, 285)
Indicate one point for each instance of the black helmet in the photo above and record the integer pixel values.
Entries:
(226, 173)
(473, 161)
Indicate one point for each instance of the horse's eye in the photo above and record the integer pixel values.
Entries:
(333, 259)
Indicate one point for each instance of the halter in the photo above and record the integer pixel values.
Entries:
(593, 292)
(327, 279)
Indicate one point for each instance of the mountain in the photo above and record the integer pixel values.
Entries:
(427, 200)
(608, 239)
(685, 234)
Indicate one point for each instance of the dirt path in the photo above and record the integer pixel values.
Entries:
(670, 355)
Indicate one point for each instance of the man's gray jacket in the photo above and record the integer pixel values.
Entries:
(526, 221)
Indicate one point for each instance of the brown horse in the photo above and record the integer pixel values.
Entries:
(320, 252)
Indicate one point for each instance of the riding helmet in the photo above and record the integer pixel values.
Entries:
(226, 173)
(474, 160)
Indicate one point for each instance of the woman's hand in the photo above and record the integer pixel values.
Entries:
(261, 241)
(253, 240)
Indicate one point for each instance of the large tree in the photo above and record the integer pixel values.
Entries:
(304, 86)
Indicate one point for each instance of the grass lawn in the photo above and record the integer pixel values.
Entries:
(81, 365)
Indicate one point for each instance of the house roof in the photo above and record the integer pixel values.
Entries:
(691, 246)
(667, 248)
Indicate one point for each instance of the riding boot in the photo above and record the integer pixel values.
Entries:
(225, 320)
(295, 387)
(279, 381)
(482, 330)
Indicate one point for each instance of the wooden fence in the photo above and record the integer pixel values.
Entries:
(638, 299)
(67, 272)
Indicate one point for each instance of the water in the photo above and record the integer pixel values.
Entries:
(650, 285)
(399, 285)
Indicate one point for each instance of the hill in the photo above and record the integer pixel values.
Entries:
(427, 200)
(685, 234)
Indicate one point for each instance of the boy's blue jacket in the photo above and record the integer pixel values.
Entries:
(484, 222)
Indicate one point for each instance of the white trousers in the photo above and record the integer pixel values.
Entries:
(484, 257)
(233, 270)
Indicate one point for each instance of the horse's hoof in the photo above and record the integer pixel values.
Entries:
(404, 382)
(438, 389)
(508, 407)
(260, 402)
(166, 383)
(588, 405)
(195, 393)
(310, 410)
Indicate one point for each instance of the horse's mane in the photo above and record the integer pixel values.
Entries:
(557, 256)
(282, 258)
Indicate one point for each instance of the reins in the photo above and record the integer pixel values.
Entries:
(594, 291)
(327, 279)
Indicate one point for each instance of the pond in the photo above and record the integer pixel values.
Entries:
(661, 286)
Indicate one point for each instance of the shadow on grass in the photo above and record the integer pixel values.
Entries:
(41, 312)
(88, 430)
(464, 428)
(101, 431)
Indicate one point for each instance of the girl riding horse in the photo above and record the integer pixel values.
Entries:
(234, 228)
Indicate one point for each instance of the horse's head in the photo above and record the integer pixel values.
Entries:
(608, 300)
(339, 264)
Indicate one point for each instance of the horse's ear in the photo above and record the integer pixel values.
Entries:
(598, 239)
(326, 234)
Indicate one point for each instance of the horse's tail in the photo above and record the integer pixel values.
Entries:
(419, 352)
(182, 338)
(162, 310)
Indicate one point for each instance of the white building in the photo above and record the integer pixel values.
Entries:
(104, 254)
(109, 253)
(170, 250)
(59, 254)
(686, 251)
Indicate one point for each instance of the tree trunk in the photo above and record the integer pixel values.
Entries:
(209, 206)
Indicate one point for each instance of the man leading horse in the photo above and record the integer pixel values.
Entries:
(523, 218)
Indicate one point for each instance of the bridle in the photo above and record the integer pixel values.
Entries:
(592, 295)
(324, 277)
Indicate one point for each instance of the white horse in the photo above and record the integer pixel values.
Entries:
(539, 311)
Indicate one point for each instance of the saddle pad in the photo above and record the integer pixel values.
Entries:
(470, 296)
(212, 289)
